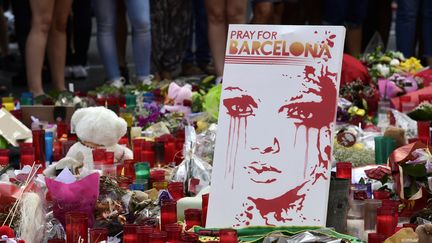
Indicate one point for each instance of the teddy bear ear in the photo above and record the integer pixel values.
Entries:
(121, 127)
(76, 117)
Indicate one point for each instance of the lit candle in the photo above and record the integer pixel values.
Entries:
(136, 144)
(99, 156)
(148, 156)
(168, 213)
(385, 221)
(39, 146)
(169, 152)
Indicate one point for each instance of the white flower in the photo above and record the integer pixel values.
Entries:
(394, 62)
(399, 55)
(383, 69)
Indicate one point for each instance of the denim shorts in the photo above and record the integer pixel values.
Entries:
(350, 13)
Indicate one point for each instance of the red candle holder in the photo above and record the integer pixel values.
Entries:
(192, 217)
(425, 97)
(147, 145)
(169, 152)
(26, 156)
(130, 233)
(381, 195)
(4, 157)
(18, 114)
(343, 170)
(157, 178)
(98, 156)
(129, 169)
(158, 237)
(376, 238)
(386, 221)
(109, 158)
(143, 232)
(412, 226)
(190, 237)
(66, 145)
(39, 147)
(176, 190)
(76, 227)
(204, 206)
(98, 234)
(137, 144)
(62, 129)
(56, 241)
(173, 232)
(168, 213)
(423, 131)
(148, 156)
(228, 235)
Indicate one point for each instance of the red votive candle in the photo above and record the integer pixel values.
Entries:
(109, 158)
(26, 156)
(190, 237)
(173, 232)
(204, 206)
(143, 233)
(386, 221)
(76, 227)
(412, 226)
(148, 156)
(176, 190)
(168, 213)
(66, 145)
(39, 147)
(228, 235)
(4, 157)
(381, 195)
(137, 143)
(18, 114)
(343, 170)
(158, 237)
(98, 234)
(130, 233)
(169, 152)
(423, 131)
(129, 169)
(99, 156)
(376, 238)
(62, 128)
(192, 217)
(157, 178)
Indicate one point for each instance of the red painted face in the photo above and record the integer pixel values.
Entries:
(312, 116)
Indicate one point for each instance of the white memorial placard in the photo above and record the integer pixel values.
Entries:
(275, 128)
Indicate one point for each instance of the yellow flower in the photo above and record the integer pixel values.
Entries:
(355, 111)
(411, 65)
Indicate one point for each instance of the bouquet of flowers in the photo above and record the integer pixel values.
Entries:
(383, 65)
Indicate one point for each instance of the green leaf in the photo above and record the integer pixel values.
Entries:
(418, 170)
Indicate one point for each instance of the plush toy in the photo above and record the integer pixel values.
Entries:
(71, 163)
(98, 127)
(424, 233)
(398, 134)
(179, 99)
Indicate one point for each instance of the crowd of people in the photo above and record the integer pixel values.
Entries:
(185, 37)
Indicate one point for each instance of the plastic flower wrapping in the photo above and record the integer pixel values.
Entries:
(397, 85)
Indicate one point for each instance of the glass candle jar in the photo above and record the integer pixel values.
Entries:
(39, 146)
(149, 157)
(143, 233)
(4, 157)
(98, 234)
(343, 170)
(129, 169)
(386, 221)
(376, 238)
(423, 131)
(169, 152)
(66, 145)
(62, 129)
(98, 156)
(136, 144)
(76, 227)
(26, 156)
(412, 226)
(142, 171)
(109, 158)
(204, 206)
(159, 150)
(192, 217)
(157, 178)
(381, 194)
(355, 219)
(425, 97)
(228, 235)
(176, 190)
(130, 233)
(189, 237)
(158, 237)
(168, 213)
(371, 206)
(173, 232)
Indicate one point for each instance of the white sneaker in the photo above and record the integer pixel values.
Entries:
(79, 72)
(147, 80)
(68, 72)
(118, 83)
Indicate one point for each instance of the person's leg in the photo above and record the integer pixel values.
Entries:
(4, 38)
(139, 16)
(158, 34)
(278, 7)
(202, 52)
(121, 33)
(218, 27)
(406, 26)
(427, 31)
(236, 11)
(263, 12)
(42, 12)
(357, 11)
(335, 12)
(105, 11)
(57, 43)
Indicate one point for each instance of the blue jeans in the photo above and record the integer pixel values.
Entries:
(406, 26)
(351, 13)
(139, 16)
(202, 51)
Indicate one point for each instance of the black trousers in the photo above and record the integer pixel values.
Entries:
(79, 33)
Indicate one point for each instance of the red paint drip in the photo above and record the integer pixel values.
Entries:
(288, 200)
(228, 146)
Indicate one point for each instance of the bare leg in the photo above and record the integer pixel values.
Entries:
(57, 43)
(236, 11)
(42, 11)
(262, 13)
(4, 39)
(354, 40)
(217, 28)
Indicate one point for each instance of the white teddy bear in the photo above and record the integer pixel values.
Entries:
(98, 127)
